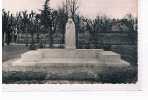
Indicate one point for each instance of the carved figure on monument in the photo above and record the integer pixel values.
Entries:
(70, 39)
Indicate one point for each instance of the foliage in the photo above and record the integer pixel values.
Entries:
(48, 20)
(53, 21)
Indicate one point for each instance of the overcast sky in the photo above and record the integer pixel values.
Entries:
(89, 8)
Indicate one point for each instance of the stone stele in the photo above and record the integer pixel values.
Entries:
(70, 39)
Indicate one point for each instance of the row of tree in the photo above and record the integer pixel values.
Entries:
(53, 21)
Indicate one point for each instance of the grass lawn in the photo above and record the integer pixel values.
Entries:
(13, 51)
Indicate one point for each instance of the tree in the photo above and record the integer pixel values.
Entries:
(62, 18)
(32, 30)
(25, 24)
(130, 22)
(25, 21)
(7, 26)
(37, 26)
(4, 25)
(48, 17)
(73, 4)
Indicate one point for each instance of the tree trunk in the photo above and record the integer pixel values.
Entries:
(3, 39)
(32, 39)
(50, 38)
(8, 38)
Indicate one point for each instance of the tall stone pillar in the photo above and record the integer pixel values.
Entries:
(70, 38)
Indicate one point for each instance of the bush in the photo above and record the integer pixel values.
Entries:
(107, 47)
(32, 47)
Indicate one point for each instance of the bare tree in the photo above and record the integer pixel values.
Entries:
(73, 4)
(7, 28)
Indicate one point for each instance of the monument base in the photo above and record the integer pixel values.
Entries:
(68, 63)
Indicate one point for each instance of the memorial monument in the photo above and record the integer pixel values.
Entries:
(68, 63)
(70, 39)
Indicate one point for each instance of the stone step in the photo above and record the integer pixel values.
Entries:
(62, 53)
(63, 65)
(109, 56)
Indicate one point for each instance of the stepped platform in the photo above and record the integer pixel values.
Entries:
(66, 62)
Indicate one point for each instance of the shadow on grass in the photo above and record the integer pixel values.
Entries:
(117, 75)
(108, 75)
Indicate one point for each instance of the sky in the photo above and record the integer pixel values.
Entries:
(88, 8)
